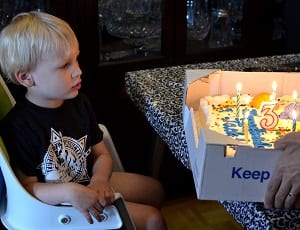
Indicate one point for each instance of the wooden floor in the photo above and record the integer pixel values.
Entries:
(188, 213)
(182, 210)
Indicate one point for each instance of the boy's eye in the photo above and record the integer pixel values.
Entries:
(66, 65)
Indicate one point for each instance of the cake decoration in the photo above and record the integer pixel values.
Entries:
(257, 120)
(269, 116)
(288, 111)
(258, 99)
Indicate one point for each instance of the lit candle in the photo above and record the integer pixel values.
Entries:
(274, 88)
(248, 98)
(294, 115)
(246, 126)
(295, 95)
(238, 98)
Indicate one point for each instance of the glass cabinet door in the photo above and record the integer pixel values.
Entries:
(222, 29)
(9, 8)
(129, 29)
(214, 24)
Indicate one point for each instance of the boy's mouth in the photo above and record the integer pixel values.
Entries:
(77, 86)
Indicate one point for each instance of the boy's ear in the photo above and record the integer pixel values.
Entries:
(24, 78)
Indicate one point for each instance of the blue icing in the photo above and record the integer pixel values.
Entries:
(253, 112)
(229, 124)
(233, 127)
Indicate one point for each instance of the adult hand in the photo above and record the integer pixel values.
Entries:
(283, 190)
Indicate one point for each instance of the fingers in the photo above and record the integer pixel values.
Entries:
(269, 199)
(107, 198)
(97, 207)
(88, 217)
(290, 200)
(283, 198)
(297, 202)
(95, 212)
(272, 190)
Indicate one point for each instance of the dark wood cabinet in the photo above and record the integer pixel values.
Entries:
(104, 81)
(258, 26)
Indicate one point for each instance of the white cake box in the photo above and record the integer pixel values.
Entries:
(243, 177)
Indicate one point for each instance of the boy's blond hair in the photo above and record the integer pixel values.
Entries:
(29, 37)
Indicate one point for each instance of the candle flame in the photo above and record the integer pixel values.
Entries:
(274, 86)
(239, 86)
(295, 95)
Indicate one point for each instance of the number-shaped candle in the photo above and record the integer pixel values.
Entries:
(269, 117)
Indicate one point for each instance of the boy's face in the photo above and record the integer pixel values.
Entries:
(55, 79)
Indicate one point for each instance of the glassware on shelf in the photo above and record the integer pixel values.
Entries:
(216, 23)
(198, 19)
(136, 22)
(235, 8)
(220, 35)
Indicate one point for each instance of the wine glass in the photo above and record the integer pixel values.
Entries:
(198, 19)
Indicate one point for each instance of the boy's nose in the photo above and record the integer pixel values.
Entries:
(77, 72)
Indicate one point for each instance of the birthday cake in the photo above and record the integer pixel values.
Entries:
(257, 120)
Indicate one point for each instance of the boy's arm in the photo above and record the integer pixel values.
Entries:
(81, 197)
(101, 173)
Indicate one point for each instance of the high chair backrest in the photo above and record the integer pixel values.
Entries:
(7, 100)
(6, 103)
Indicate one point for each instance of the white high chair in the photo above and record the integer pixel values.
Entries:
(20, 210)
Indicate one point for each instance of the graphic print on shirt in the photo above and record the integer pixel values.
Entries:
(65, 159)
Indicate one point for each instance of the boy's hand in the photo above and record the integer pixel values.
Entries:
(86, 200)
(104, 191)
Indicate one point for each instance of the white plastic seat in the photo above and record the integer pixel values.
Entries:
(117, 167)
(20, 210)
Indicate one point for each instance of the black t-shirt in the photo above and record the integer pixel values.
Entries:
(52, 144)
